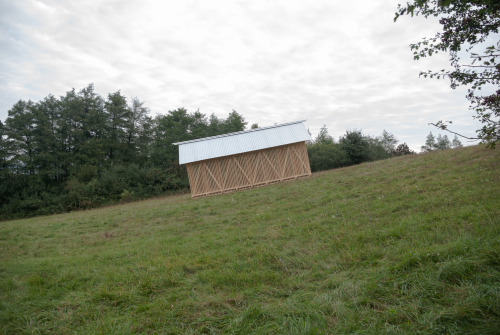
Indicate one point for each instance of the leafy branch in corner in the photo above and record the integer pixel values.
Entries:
(468, 27)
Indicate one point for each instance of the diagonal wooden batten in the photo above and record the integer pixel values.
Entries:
(272, 165)
(243, 171)
(211, 175)
(298, 156)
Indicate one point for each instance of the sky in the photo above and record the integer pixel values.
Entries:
(345, 65)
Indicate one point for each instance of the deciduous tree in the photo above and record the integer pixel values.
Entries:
(356, 146)
(470, 36)
(234, 122)
(323, 136)
(403, 149)
(388, 141)
(455, 143)
(443, 142)
(430, 143)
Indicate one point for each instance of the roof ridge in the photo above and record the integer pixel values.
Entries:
(238, 132)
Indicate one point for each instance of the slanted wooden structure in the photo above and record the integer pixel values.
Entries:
(246, 159)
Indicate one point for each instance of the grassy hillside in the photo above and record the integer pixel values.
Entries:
(407, 245)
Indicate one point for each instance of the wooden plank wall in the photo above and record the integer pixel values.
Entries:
(249, 169)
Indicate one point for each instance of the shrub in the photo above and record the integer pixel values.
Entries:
(323, 156)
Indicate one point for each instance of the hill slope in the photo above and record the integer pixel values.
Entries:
(406, 245)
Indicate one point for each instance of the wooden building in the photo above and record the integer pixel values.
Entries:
(246, 159)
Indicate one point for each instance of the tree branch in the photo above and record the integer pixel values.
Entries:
(494, 66)
(445, 128)
(484, 56)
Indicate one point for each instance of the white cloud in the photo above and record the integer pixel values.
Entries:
(343, 64)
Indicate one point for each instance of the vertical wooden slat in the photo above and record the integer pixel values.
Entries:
(285, 153)
(194, 167)
(194, 179)
(189, 168)
(256, 167)
(219, 172)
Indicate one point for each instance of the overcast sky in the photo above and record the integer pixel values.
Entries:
(343, 64)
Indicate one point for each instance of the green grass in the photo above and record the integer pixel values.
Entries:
(406, 245)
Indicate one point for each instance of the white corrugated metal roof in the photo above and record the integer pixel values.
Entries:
(242, 141)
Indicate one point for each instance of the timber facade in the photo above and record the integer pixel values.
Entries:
(249, 169)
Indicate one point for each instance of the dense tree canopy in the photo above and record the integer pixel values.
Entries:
(82, 150)
(470, 36)
(353, 147)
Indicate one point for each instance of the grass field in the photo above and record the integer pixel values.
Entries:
(407, 245)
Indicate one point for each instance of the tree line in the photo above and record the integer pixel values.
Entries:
(354, 147)
(83, 150)
(440, 142)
